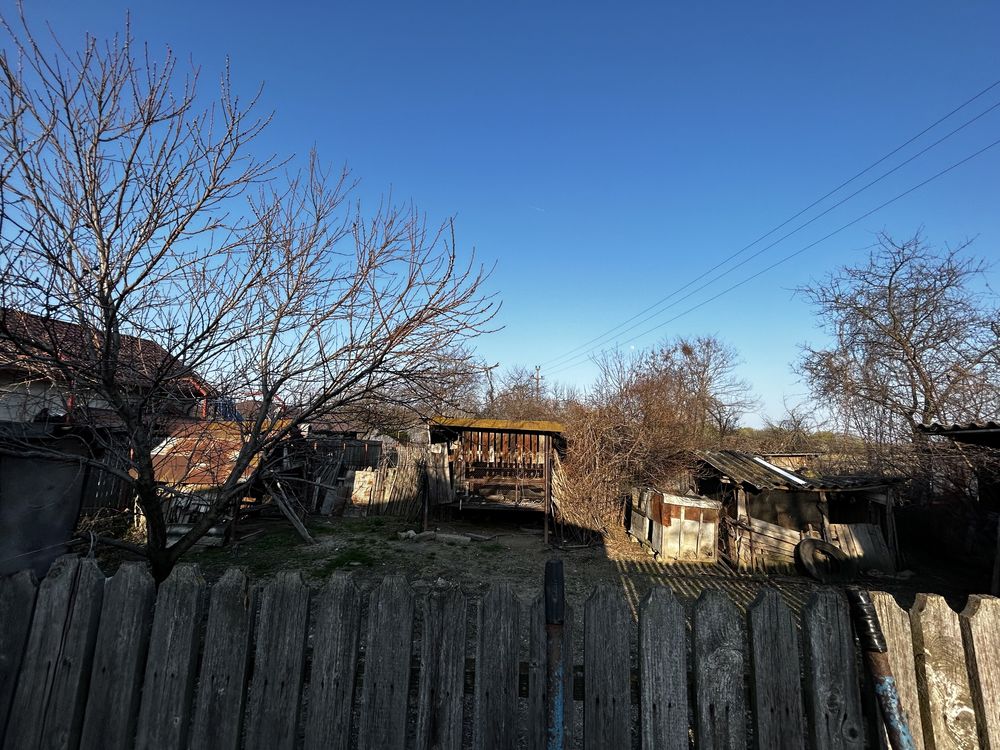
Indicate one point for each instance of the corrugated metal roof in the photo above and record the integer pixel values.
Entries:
(755, 471)
(508, 425)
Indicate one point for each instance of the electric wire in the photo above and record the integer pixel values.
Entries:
(714, 279)
(788, 257)
(569, 353)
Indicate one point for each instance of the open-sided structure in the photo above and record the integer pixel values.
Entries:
(499, 462)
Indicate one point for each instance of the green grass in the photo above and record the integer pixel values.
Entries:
(343, 559)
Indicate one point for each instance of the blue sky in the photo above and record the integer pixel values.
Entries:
(604, 155)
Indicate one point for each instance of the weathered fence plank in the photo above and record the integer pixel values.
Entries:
(663, 671)
(719, 653)
(774, 657)
(442, 672)
(279, 662)
(119, 659)
(537, 666)
(899, 639)
(981, 633)
(336, 630)
(17, 603)
(172, 661)
(607, 690)
(48, 705)
(217, 719)
(945, 698)
(496, 670)
(833, 700)
(387, 666)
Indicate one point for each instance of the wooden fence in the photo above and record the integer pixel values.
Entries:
(117, 663)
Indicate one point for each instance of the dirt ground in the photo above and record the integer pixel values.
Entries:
(515, 553)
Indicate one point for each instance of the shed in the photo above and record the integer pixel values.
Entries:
(676, 527)
(499, 462)
(768, 510)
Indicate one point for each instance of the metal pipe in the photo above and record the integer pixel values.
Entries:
(876, 658)
(555, 659)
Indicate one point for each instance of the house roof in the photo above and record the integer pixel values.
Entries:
(757, 472)
(39, 339)
(505, 425)
(203, 454)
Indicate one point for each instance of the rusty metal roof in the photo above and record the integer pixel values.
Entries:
(757, 472)
(506, 425)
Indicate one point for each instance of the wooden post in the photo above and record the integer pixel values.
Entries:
(547, 472)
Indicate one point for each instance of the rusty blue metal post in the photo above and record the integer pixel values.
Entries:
(555, 659)
(876, 657)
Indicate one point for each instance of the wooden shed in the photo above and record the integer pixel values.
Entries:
(768, 510)
(676, 527)
(499, 462)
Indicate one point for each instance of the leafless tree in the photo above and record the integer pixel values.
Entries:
(137, 212)
(646, 413)
(913, 341)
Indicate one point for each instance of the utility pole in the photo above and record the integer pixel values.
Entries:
(538, 382)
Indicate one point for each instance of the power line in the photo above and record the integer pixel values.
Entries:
(788, 257)
(568, 354)
(803, 225)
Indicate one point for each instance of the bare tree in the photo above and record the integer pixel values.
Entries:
(646, 413)
(137, 213)
(913, 341)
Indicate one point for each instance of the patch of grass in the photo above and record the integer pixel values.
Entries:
(492, 548)
(343, 559)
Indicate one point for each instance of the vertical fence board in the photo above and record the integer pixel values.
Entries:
(899, 640)
(536, 674)
(719, 654)
(170, 666)
(981, 633)
(774, 657)
(17, 603)
(217, 719)
(663, 671)
(833, 700)
(945, 698)
(607, 689)
(51, 692)
(279, 664)
(496, 670)
(336, 631)
(119, 659)
(442, 672)
(387, 666)
(537, 665)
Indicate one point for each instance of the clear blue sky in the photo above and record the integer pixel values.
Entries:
(604, 155)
